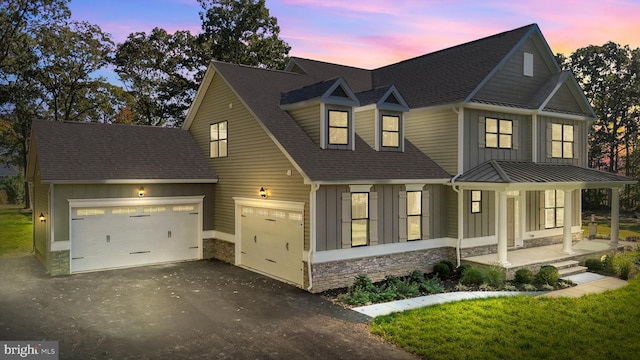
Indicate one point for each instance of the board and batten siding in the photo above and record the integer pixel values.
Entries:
(365, 123)
(510, 85)
(253, 160)
(580, 136)
(309, 120)
(435, 133)
(451, 209)
(329, 214)
(482, 223)
(474, 151)
(535, 210)
(63, 192)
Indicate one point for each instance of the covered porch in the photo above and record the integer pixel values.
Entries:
(517, 227)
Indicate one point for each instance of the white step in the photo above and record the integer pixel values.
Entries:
(572, 270)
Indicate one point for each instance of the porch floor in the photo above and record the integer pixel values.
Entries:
(546, 254)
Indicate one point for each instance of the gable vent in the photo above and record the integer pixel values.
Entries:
(528, 64)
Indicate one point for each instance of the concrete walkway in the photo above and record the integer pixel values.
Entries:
(587, 283)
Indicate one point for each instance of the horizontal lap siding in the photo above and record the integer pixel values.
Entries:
(365, 126)
(253, 161)
(436, 134)
(474, 154)
(62, 193)
(309, 120)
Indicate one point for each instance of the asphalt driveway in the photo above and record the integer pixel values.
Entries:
(195, 310)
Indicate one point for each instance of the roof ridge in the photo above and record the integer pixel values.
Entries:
(503, 175)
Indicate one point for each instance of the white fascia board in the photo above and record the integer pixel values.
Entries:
(442, 181)
(103, 202)
(269, 204)
(131, 181)
(202, 90)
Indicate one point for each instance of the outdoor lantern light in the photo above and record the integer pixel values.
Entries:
(42, 218)
(141, 191)
(263, 193)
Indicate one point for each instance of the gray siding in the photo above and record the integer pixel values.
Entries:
(451, 209)
(309, 120)
(329, 214)
(535, 210)
(483, 223)
(253, 161)
(365, 126)
(580, 136)
(564, 101)
(475, 153)
(98, 191)
(436, 134)
(509, 85)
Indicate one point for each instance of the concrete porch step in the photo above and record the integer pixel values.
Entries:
(572, 271)
(565, 264)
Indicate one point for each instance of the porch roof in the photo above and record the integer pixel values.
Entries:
(527, 173)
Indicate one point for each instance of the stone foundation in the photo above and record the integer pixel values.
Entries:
(219, 249)
(59, 263)
(550, 240)
(339, 274)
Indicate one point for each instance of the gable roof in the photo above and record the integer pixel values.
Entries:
(357, 78)
(74, 152)
(334, 91)
(526, 172)
(260, 90)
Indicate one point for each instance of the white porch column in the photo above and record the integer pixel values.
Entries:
(502, 229)
(568, 217)
(615, 216)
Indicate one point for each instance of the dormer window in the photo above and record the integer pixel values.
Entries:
(390, 131)
(338, 127)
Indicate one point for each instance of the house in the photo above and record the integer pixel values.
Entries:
(320, 172)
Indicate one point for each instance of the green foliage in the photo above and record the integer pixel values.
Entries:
(460, 270)
(442, 270)
(472, 276)
(430, 286)
(607, 264)
(548, 275)
(524, 276)
(594, 265)
(495, 276)
(623, 265)
(16, 231)
(14, 189)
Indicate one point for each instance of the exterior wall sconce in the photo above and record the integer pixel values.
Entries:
(42, 218)
(141, 191)
(263, 193)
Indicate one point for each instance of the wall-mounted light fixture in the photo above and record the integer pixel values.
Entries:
(263, 193)
(141, 191)
(42, 218)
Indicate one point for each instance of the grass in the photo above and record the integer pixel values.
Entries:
(16, 231)
(597, 326)
(628, 227)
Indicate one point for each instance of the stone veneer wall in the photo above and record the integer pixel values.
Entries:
(527, 243)
(338, 274)
(60, 263)
(219, 249)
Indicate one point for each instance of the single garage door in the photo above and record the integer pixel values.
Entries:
(271, 242)
(120, 236)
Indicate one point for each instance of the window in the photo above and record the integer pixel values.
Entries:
(359, 219)
(338, 127)
(219, 141)
(390, 131)
(498, 133)
(414, 215)
(553, 208)
(476, 201)
(562, 141)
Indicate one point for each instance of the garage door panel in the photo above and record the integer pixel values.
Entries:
(140, 235)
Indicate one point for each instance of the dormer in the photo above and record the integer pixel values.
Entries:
(325, 111)
(380, 118)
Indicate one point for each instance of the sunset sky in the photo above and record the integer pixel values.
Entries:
(374, 33)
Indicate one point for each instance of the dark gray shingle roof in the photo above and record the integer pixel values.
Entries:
(358, 79)
(372, 96)
(92, 152)
(494, 171)
(307, 92)
(261, 90)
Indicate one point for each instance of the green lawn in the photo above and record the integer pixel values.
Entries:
(628, 227)
(598, 326)
(16, 231)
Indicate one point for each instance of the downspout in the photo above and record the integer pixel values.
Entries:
(460, 209)
(312, 231)
(456, 188)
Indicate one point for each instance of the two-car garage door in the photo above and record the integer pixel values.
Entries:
(105, 237)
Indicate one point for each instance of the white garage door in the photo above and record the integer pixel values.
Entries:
(119, 236)
(271, 242)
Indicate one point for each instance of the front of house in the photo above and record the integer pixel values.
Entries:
(324, 171)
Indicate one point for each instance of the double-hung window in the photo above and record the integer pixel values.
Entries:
(359, 219)
(218, 139)
(338, 127)
(553, 208)
(414, 215)
(498, 133)
(390, 131)
(562, 141)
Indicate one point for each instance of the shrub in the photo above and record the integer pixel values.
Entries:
(472, 276)
(524, 276)
(460, 270)
(14, 189)
(451, 266)
(548, 275)
(362, 281)
(495, 276)
(607, 264)
(430, 286)
(594, 265)
(417, 276)
(442, 270)
(622, 265)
